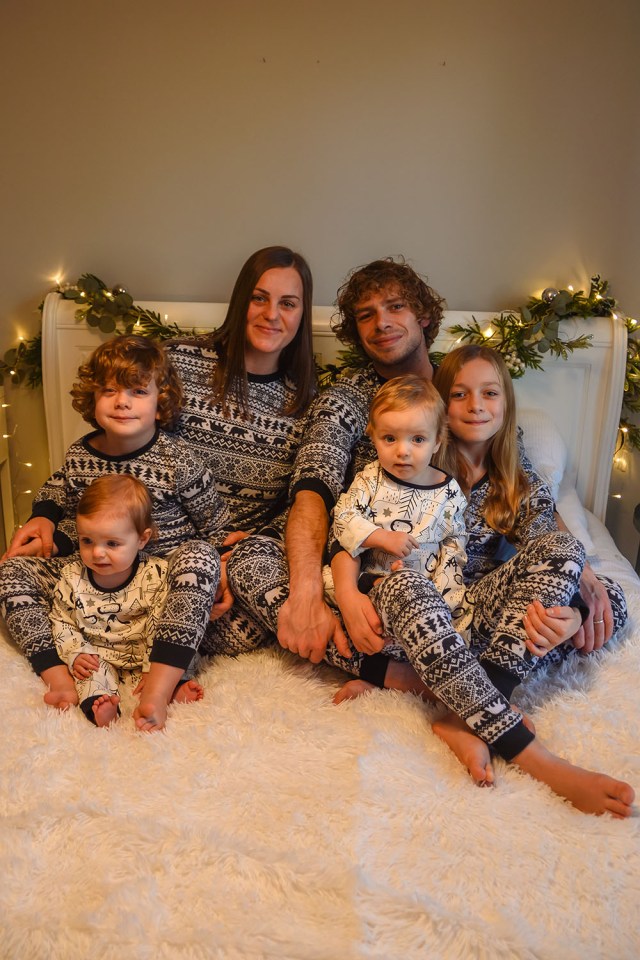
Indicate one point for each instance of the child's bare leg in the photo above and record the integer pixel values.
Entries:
(62, 692)
(588, 791)
(105, 709)
(160, 683)
(188, 692)
(400, 675)
(472, 752)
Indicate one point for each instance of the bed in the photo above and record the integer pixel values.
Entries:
(267, 823)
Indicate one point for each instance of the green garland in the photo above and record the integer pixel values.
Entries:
(523, 337)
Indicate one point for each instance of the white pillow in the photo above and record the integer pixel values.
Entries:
(572, 512)
(544, 446)
(547, 451)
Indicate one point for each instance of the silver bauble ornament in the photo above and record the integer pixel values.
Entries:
(549, 294)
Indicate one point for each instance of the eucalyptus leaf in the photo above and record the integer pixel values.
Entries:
(544, 346)
(90, 284)
(124, 300)
(107, 324)
(552, 329)
(92, 318)
(10, 357)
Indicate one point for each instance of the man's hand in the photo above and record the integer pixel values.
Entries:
(33, 539)
(597, 629)
(84, 665)
(306, 626)
(547, 628)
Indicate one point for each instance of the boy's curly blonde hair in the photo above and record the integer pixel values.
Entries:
(129, 361)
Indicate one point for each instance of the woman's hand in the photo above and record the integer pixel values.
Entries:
(84, 665)
(597, 629)
(547, 628)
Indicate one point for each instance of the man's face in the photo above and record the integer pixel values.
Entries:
(390, 333)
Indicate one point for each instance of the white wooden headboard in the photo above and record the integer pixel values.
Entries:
(583, 395)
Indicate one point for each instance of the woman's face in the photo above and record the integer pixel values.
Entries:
(273, 318)
(476, 404)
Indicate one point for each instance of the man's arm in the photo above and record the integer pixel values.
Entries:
(306, 624)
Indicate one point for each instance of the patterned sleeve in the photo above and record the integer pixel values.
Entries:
(68, 639)
(200, 498)
(337, 420)
(447, 575)
(51, 499)
(352, 522)
(52, 503)
(538, 517)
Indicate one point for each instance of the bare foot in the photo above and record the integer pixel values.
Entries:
(353, 689)
(62, 692)
(105, 709)
(151, 713)
(588, 791)
(188, 692)
(471, 751)
(401, 675)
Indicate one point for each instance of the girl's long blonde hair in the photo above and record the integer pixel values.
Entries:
(508, 484)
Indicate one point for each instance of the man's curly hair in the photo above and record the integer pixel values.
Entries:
(129, 361)
(386, 274)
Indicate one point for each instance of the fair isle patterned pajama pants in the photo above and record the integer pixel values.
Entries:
(26, 593)
(475, 683)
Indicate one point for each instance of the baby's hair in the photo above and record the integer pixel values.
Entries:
(508, 483)
(401, 393)
(129, 361)
(382, 275)
(120, 495)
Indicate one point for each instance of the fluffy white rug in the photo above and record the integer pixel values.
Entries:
(266, 823)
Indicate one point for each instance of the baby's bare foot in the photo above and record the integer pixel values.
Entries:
(353, 689)
(151, 713)
(188, 692)
(61, 699)
(105, 709)
(471, 751)
(62, 692)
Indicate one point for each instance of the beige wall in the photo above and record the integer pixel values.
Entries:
(157, 144)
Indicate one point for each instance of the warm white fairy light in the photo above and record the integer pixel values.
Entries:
(488, 333)
(616, 496)
(570, 288)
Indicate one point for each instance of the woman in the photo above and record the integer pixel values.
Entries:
(248, 387)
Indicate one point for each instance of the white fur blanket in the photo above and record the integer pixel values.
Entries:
(267, 823)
